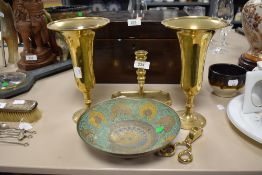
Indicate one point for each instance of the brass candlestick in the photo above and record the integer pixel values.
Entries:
(194, 34)
(141, 55)
(79, 35)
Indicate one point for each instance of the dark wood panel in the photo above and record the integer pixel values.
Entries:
(120, 30)
(114, 60)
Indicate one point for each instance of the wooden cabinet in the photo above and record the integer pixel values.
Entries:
(116, 43)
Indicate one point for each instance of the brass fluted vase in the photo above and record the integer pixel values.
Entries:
(194, 34)
(79, 35)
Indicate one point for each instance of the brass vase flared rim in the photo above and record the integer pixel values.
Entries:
(195, 23)
(78, 23)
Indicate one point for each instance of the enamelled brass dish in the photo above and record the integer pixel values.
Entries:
(128, 127)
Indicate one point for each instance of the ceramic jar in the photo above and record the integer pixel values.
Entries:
(226, 80)
(252, 26)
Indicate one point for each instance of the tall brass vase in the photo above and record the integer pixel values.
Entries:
(79, 35)
(194, 34)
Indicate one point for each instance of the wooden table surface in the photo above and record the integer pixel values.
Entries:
(57, 148)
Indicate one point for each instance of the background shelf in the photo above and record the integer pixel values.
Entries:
(157, 4)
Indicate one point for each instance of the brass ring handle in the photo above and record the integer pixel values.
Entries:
(185, 156)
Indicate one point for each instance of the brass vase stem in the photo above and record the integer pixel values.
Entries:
(189, 106)
(87, 99)
(194, 34)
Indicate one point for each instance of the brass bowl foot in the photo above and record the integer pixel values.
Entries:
(78, 114)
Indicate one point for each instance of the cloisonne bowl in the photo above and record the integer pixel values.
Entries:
(128, 128)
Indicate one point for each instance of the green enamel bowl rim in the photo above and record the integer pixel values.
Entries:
(135, 154)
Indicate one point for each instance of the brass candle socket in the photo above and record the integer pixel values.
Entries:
(79, 35)
(194, 34)
(141, 55)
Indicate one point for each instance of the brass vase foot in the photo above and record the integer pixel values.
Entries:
(78, 114)
(190, 121)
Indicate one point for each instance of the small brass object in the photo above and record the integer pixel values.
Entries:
(79, 35)
(141, 55)
(186, 155)
(194, 34)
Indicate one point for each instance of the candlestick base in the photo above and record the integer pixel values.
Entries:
(158, 95)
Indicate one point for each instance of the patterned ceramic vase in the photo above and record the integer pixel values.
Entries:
(252, 26)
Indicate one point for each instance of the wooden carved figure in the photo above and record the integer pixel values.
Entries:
(31, 24)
